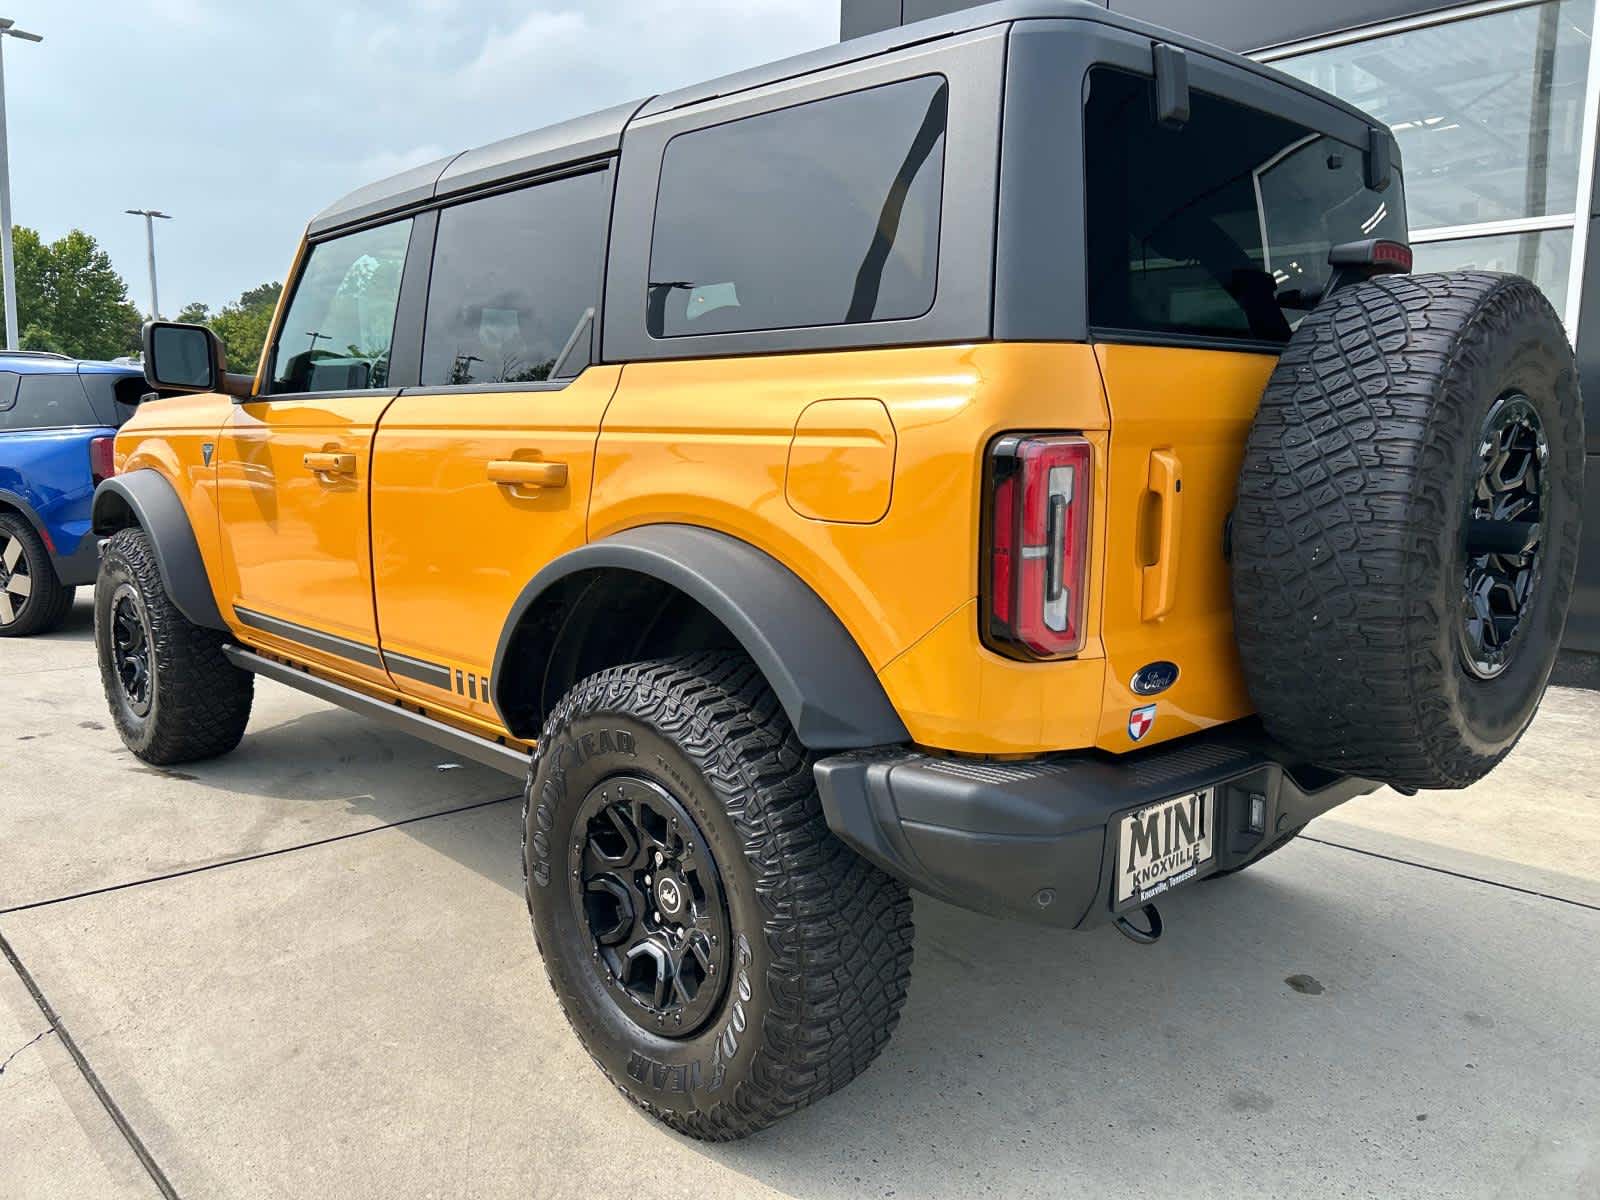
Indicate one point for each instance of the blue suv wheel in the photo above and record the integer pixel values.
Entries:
(32, 598)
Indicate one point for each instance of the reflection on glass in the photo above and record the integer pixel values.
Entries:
(182, 356)
(826, 213)
(1221, 228)
(1488, 111)
(1543, 257)
(513, 275)
(336, 334)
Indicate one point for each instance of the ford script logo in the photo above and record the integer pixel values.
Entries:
(1154, 678)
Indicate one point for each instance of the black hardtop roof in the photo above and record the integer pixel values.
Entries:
(599, 134)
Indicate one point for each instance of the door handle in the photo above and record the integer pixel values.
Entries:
(517, 472)
(1160, 581)
(331, 464)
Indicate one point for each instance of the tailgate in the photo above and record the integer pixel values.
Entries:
(1179, 419)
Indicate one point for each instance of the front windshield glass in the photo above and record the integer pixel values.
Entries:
(1220, 228)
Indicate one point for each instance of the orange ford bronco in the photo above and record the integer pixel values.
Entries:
(1005, 457)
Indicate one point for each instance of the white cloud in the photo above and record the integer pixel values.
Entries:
(244, 118)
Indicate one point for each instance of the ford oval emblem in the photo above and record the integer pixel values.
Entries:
(1154, 678)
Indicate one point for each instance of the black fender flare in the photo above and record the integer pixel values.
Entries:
(827, 687)
(9, 499)
(153, 503)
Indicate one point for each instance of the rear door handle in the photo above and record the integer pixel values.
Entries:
(517, 472)
(331, 464)
(1160, 581)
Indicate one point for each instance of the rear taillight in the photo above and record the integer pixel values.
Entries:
(102, 458)
(1373, 256)
(1035, 549)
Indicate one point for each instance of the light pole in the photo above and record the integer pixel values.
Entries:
(150, 215)
(8, 28)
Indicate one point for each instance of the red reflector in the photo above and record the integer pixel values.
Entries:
(1395, 255)
(1035, 544)
(1373, 256)
(102, 458)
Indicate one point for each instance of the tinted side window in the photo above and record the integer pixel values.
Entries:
(337, 333)
(8, 392)
(114, 396)
(514, 278)
(47, 402)
(822, 214)
(1220, 228)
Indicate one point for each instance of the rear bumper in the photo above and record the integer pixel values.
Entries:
(1035, 839)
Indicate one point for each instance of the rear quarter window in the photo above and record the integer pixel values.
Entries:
(826, 213)
(115, 397)
(47, 402)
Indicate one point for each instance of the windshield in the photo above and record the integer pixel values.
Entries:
(1220, 228)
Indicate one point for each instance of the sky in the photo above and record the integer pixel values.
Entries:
(244, 118)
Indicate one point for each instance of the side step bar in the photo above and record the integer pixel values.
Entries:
(479, 749)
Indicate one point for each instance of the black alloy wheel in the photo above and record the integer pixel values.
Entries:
(1503, 534)
(723, 957)
(648, 891)
(174, 696)
(130, 648)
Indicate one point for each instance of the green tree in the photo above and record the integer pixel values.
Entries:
(193, 314)
(70, 297)
(263, 295)
(35, 337)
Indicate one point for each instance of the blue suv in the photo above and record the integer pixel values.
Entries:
(58, 419)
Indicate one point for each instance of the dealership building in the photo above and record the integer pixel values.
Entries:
(1494, 105)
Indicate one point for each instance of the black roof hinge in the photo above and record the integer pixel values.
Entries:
(1379, 157)
(1172, 85)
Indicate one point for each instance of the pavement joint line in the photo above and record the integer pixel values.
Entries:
(129, 1134)
(1406, 862)
(247, 858)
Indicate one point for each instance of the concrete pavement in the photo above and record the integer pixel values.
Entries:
(305, 970)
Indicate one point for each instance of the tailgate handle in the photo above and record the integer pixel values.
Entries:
(331, 464)
(1160, 583)
(518, 472)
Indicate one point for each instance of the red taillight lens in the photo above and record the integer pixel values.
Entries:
(102, 458)
(1036, 537)
(1395, 256)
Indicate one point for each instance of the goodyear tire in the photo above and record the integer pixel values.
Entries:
(32, 597)
(173, 696)
(1406, 532)
(721, 955)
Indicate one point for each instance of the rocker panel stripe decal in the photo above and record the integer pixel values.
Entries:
(367, 656)
(432, 674)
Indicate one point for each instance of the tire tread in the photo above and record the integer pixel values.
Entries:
(839, 930)
(204, 700)
(1351, 474)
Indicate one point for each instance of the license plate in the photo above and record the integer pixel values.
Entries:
(1163, 845)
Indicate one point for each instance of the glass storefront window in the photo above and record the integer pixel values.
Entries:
(1488, 110)
(1543, 257)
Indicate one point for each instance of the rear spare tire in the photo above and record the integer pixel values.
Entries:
(1405, 538)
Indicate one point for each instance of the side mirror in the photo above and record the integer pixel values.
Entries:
(188, 358)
